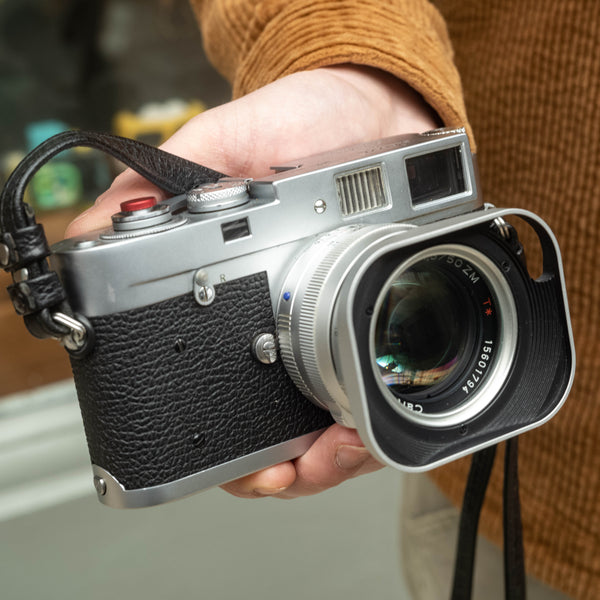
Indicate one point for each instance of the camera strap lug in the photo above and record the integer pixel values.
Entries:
(503, 228)
(37, 292)
(508, 233)
(76, 338)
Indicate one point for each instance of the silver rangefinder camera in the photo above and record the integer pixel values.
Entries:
(368, 285)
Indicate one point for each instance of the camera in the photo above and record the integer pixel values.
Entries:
(368, 286)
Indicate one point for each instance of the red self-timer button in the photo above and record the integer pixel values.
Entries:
(138, 204)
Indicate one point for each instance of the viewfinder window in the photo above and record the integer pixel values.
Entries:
(435, 175)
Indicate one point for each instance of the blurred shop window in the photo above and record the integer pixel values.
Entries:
(106, 65)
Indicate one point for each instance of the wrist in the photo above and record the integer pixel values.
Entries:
(396, 107)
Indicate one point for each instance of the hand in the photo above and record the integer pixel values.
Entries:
(296, 116)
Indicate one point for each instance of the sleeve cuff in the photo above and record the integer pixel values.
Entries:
(407, 39)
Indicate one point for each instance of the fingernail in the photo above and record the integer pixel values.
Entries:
(269, 491)
(351, 457)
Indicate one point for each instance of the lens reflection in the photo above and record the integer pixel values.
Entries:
(422, 329)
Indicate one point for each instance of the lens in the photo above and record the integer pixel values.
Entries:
(422, 330)
(431, 329)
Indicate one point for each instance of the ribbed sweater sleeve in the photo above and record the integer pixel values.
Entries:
(253, 43)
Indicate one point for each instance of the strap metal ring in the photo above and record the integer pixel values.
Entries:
(76, 337)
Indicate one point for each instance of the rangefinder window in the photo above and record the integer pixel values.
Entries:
(435, 175)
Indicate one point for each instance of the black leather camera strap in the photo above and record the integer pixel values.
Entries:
(514, 561)
(37, 292)
(514, 556)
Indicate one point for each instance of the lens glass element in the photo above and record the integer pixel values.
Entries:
(422, 329)
(430, 326)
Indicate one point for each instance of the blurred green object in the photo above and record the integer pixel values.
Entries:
(57, 185)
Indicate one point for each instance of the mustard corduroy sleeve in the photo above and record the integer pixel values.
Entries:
(253, 43)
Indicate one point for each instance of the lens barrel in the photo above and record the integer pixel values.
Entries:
(443, 324)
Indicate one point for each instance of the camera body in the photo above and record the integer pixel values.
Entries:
(368, 286)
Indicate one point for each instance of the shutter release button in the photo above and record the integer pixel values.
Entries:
(138, 204)
(140, 213)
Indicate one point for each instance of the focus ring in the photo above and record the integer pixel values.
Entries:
(297, 320)
(305, 319)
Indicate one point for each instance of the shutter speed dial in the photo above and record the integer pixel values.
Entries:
(212, 197)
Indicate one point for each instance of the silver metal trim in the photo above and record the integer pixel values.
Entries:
(222, 195)
(20, 275)
(442, 131)
(158, 227)
(116, 496)
(138, 219)
(4, 255)
(78, 333)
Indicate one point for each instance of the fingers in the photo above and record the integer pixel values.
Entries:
(337, 455)
(268, 482)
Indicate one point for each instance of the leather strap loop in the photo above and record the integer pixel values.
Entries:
(29, 245)
(23, 243)
(34, 294)
(170, 173)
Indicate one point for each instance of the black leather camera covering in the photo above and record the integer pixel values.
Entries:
(172, 389)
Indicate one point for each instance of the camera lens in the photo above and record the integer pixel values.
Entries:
(436, 334)
(423, 328)
(429, 331)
